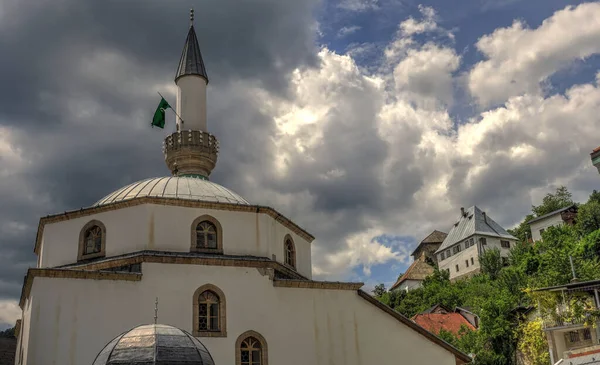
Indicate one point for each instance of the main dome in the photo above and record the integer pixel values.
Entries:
(154, 344)
(175, 187)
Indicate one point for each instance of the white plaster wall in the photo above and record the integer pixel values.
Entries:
(169, 228)
(552, 221)
(466, 254)
(410, 284)
(301, 326)
(459, 259)
(191, 102)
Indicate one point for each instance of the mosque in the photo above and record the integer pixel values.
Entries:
(233, 279)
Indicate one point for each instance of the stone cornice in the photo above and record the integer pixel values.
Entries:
(185, 259)
(461, 358)
(169, 202)
(311, 284)
(71, 274)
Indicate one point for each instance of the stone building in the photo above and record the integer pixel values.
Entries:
(233, 274)
(430, 245)
(424, 257)
(473, 233)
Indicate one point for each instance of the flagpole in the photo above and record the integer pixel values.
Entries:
(171, 108)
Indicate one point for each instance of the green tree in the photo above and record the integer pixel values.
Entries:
(8, 332)
(491, 263)
(532, 342)
(562, 198)
(588, 217)
(594, 197)
(379, 290)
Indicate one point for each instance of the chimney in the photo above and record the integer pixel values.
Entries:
(462, 211)
(484, 217)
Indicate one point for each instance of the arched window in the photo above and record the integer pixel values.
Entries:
(206, 235)
(92, 240)
(290, 251)
(251, 349)
(209, 312)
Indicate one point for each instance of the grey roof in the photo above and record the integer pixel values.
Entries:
(551, 213)
(191, 62)
(178, 187)
(154, 344)
(433, 238)
(472, 223)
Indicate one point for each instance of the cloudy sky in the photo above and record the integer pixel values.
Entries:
(368, 122)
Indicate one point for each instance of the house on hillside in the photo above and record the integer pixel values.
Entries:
(429, 245)
(470, 236)
(596, 158)
(469, 315)
(558, 217)
(571, 330)
(439, 318)
(414, 275)
(423, 256)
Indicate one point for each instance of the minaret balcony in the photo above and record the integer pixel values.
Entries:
(191, 153)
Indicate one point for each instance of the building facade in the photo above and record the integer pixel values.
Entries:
(595, 155)
(429, 246)
(572, 330)
(553, 219)
(236, 275)
(473, 234)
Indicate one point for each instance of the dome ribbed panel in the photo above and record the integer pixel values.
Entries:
(175, 187)
(154, 344)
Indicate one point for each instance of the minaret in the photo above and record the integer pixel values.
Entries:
(191, 150)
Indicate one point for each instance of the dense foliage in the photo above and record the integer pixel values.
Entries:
(8, 332)
(500, 293)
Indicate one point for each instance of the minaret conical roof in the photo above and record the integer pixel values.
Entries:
(191, 62)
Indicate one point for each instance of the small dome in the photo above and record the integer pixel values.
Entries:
(154, 344)
(177, 187)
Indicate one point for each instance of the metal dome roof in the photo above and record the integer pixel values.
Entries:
(154, 344)
(177, 187)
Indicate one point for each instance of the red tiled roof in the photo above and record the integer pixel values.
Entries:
(596, 150)
(434, 322)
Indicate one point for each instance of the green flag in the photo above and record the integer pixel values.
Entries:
(159, 114)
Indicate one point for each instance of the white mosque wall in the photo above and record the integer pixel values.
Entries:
(191, 102)
(169, 228)
(73, 319)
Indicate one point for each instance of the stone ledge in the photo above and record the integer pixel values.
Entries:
(71, 274)
(181, 258)
(310, 284)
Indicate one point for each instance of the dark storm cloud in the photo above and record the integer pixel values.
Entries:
(75, 96)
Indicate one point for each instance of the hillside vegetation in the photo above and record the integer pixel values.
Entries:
(497, 294)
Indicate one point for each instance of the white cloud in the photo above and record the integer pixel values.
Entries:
(425, 74)
(358, 5)
(344, 31)
(9, 311)
(518, 59)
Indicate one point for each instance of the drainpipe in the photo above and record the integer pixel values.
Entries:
(572, 270)
(597, 298)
